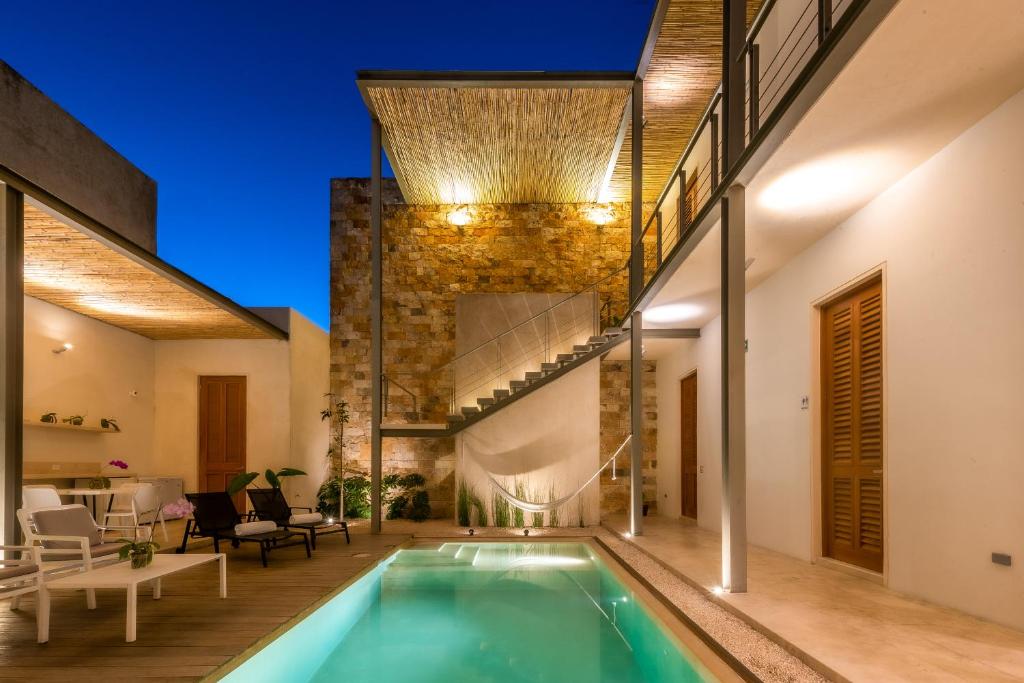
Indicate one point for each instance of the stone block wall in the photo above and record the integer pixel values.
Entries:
(615, 425)
(427, 262)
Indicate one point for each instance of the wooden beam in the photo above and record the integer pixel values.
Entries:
(12, 341)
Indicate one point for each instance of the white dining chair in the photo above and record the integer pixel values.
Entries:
(38, 496)
(136, 506)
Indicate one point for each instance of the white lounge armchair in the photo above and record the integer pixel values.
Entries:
(137, 507)
(70, 535)
(21, 576)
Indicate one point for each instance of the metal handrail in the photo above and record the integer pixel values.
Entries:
(386, 382)
(534, 317)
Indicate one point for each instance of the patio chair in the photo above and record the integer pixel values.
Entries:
(271, 505)
(140, 505)
(215, 517)
(36, 496)
(21, 576)
(69, 534)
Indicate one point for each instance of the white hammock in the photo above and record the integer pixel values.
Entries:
(554, 504)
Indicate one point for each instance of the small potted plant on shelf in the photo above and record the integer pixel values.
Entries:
(74, 420)
(49, 418)
(139, 552)
(109, 423)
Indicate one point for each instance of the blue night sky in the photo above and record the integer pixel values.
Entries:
(243, 111)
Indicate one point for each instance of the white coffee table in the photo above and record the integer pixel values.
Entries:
(121, 575)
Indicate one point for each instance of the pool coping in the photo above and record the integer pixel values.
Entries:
(653, 599)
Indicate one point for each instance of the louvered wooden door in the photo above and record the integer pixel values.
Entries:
(688, 444)
(852, 429)
(221, 433)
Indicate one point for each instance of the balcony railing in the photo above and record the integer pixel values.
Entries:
(781, 41)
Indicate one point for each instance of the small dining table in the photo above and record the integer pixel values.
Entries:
(91, 495)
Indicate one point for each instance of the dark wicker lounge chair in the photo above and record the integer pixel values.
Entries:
(215, 517)
(271, 505)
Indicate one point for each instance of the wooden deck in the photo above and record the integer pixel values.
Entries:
(189, 632)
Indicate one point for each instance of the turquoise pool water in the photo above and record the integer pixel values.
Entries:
(484, 612)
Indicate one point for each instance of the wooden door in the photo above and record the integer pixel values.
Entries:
(688, 444)
(221, 433)
(852, 428)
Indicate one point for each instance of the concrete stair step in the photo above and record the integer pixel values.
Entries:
(565, 358)
(533, 376)
(597, 340)
(517, 384)
(582, 348)
(612, 331)
(456, 417)
(470, 410)
(486, 401)
(549, 367)
(501, 394)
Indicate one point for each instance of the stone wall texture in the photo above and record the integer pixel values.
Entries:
(615, 425)
(427, 263)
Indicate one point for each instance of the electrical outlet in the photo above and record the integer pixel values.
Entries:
(805, 402)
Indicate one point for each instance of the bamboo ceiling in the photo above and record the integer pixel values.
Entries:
(684, 72)
(67, 268)
(498, 143)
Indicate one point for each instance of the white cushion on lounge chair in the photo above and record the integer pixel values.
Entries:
(306, 518)
(253, 528)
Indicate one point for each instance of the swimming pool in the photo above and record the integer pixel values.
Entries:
(544, 611)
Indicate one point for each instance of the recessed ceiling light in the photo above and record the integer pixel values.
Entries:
(672, 313)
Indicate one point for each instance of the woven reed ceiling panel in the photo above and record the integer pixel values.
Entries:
(501, 145)
(685, 70)
(67, 268)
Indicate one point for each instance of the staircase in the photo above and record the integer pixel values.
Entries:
(531, 381)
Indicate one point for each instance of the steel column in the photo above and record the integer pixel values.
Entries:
(636, 422)
(376, 338)
(734, 468)
(12, 341)
(734, 33)
(636, 261)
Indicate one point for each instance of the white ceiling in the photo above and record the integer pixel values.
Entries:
(930, 71)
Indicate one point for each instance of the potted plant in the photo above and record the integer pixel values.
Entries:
(139, 552)
(273, 478)
(49, 418)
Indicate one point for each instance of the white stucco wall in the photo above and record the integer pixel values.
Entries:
(950, 237)
(309, 362)
(94, 379)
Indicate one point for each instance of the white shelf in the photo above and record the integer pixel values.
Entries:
(69, 427)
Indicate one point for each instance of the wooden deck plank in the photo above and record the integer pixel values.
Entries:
(190, 632)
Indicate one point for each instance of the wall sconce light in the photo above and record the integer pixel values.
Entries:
(66, 346)
(460, 216)
(600, 215)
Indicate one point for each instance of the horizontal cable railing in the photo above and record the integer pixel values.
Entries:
(781, 41)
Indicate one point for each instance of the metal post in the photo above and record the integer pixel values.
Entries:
(734, 31)
(714, 152)
(376, 338)
(734, 468)
(636, 422)
(682, 204)
(824, 19)
(12, 341)
(660, 226)
(636, 262)
(754, 66)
